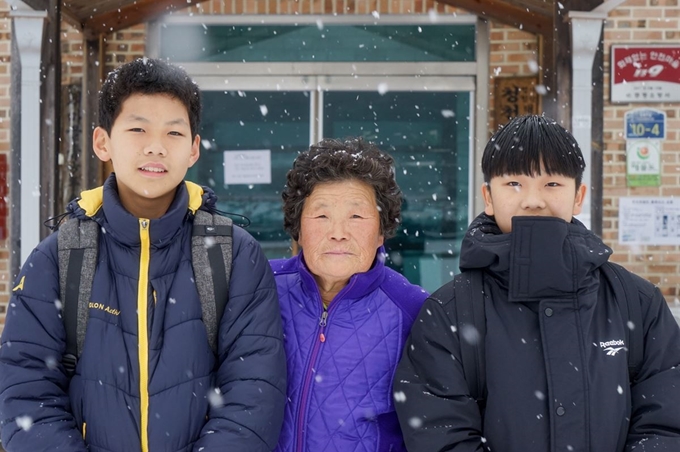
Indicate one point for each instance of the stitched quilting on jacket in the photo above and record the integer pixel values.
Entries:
(340, 366)
(153, 387)
(556, 364)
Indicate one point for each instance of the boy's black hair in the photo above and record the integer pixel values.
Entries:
(526, 142)
(148, 76)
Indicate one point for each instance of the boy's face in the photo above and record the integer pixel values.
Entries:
(540, 195)
(150, 148)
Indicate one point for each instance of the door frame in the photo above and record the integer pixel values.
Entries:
(313, 77)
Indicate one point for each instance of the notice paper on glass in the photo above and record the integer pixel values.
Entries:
(649, 221)
(247, 167)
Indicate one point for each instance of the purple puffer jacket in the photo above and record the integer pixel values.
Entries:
(340, 365)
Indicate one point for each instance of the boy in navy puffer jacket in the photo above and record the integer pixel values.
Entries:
(147, 379)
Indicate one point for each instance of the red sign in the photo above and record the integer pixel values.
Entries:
(4, 191)
(645, 73)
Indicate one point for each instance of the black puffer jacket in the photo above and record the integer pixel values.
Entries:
(555, 381)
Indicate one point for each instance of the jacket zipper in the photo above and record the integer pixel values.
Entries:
(143, 333)
(302, 413)
(308, 381)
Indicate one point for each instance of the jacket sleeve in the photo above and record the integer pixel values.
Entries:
(655, 396)
(431, 395)
(34, 404)
(247, 412)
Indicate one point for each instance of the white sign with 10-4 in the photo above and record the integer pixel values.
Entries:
(645, 123)
(645, 130)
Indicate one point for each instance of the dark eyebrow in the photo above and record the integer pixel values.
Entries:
(134, 117)
(174, 122)
(177, 122)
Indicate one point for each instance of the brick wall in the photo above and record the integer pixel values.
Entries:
(641, 22)
(124, 46)
(71, 54)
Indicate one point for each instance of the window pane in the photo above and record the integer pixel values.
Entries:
(322, 43)
(427, 133)
(277, 122)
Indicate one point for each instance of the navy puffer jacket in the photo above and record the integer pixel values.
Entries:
(152, 387)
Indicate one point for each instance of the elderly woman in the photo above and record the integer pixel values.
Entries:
(346, 316)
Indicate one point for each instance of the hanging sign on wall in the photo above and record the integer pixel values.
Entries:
(645, 73)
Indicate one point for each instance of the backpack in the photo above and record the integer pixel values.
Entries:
(469, 295)
(78, 243)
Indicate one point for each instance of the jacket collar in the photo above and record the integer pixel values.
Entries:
(359, 285)
(543, 257)
(103, 205)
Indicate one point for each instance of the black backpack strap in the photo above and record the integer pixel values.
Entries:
(78, 243)
(211, 255)
(471, 317)
(627, 298)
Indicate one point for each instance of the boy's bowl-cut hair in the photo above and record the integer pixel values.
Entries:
(526, 142)
(148, 76)
(342, 160)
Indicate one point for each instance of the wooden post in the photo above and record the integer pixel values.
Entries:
(597, 143)
(15, 157)
(94, 66)
(50, 127)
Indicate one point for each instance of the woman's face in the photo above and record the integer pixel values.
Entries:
(340, 230)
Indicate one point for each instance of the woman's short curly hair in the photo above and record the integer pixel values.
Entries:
(339, 160)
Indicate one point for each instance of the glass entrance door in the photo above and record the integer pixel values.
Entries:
(251, 137)
(428, 134)
(237, 125)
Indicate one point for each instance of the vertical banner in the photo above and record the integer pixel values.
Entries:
(514, 96)
(645, 129)
(4, 191)
(643, 163)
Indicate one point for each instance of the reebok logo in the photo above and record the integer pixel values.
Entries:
(611, 347)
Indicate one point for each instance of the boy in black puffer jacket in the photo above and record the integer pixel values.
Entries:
(557, 376)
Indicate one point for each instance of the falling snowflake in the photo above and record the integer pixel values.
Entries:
(24, 422)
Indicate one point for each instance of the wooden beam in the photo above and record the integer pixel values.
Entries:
(507, 13)
(129, 15)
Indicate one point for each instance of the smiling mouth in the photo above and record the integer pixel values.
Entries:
(153, 170)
